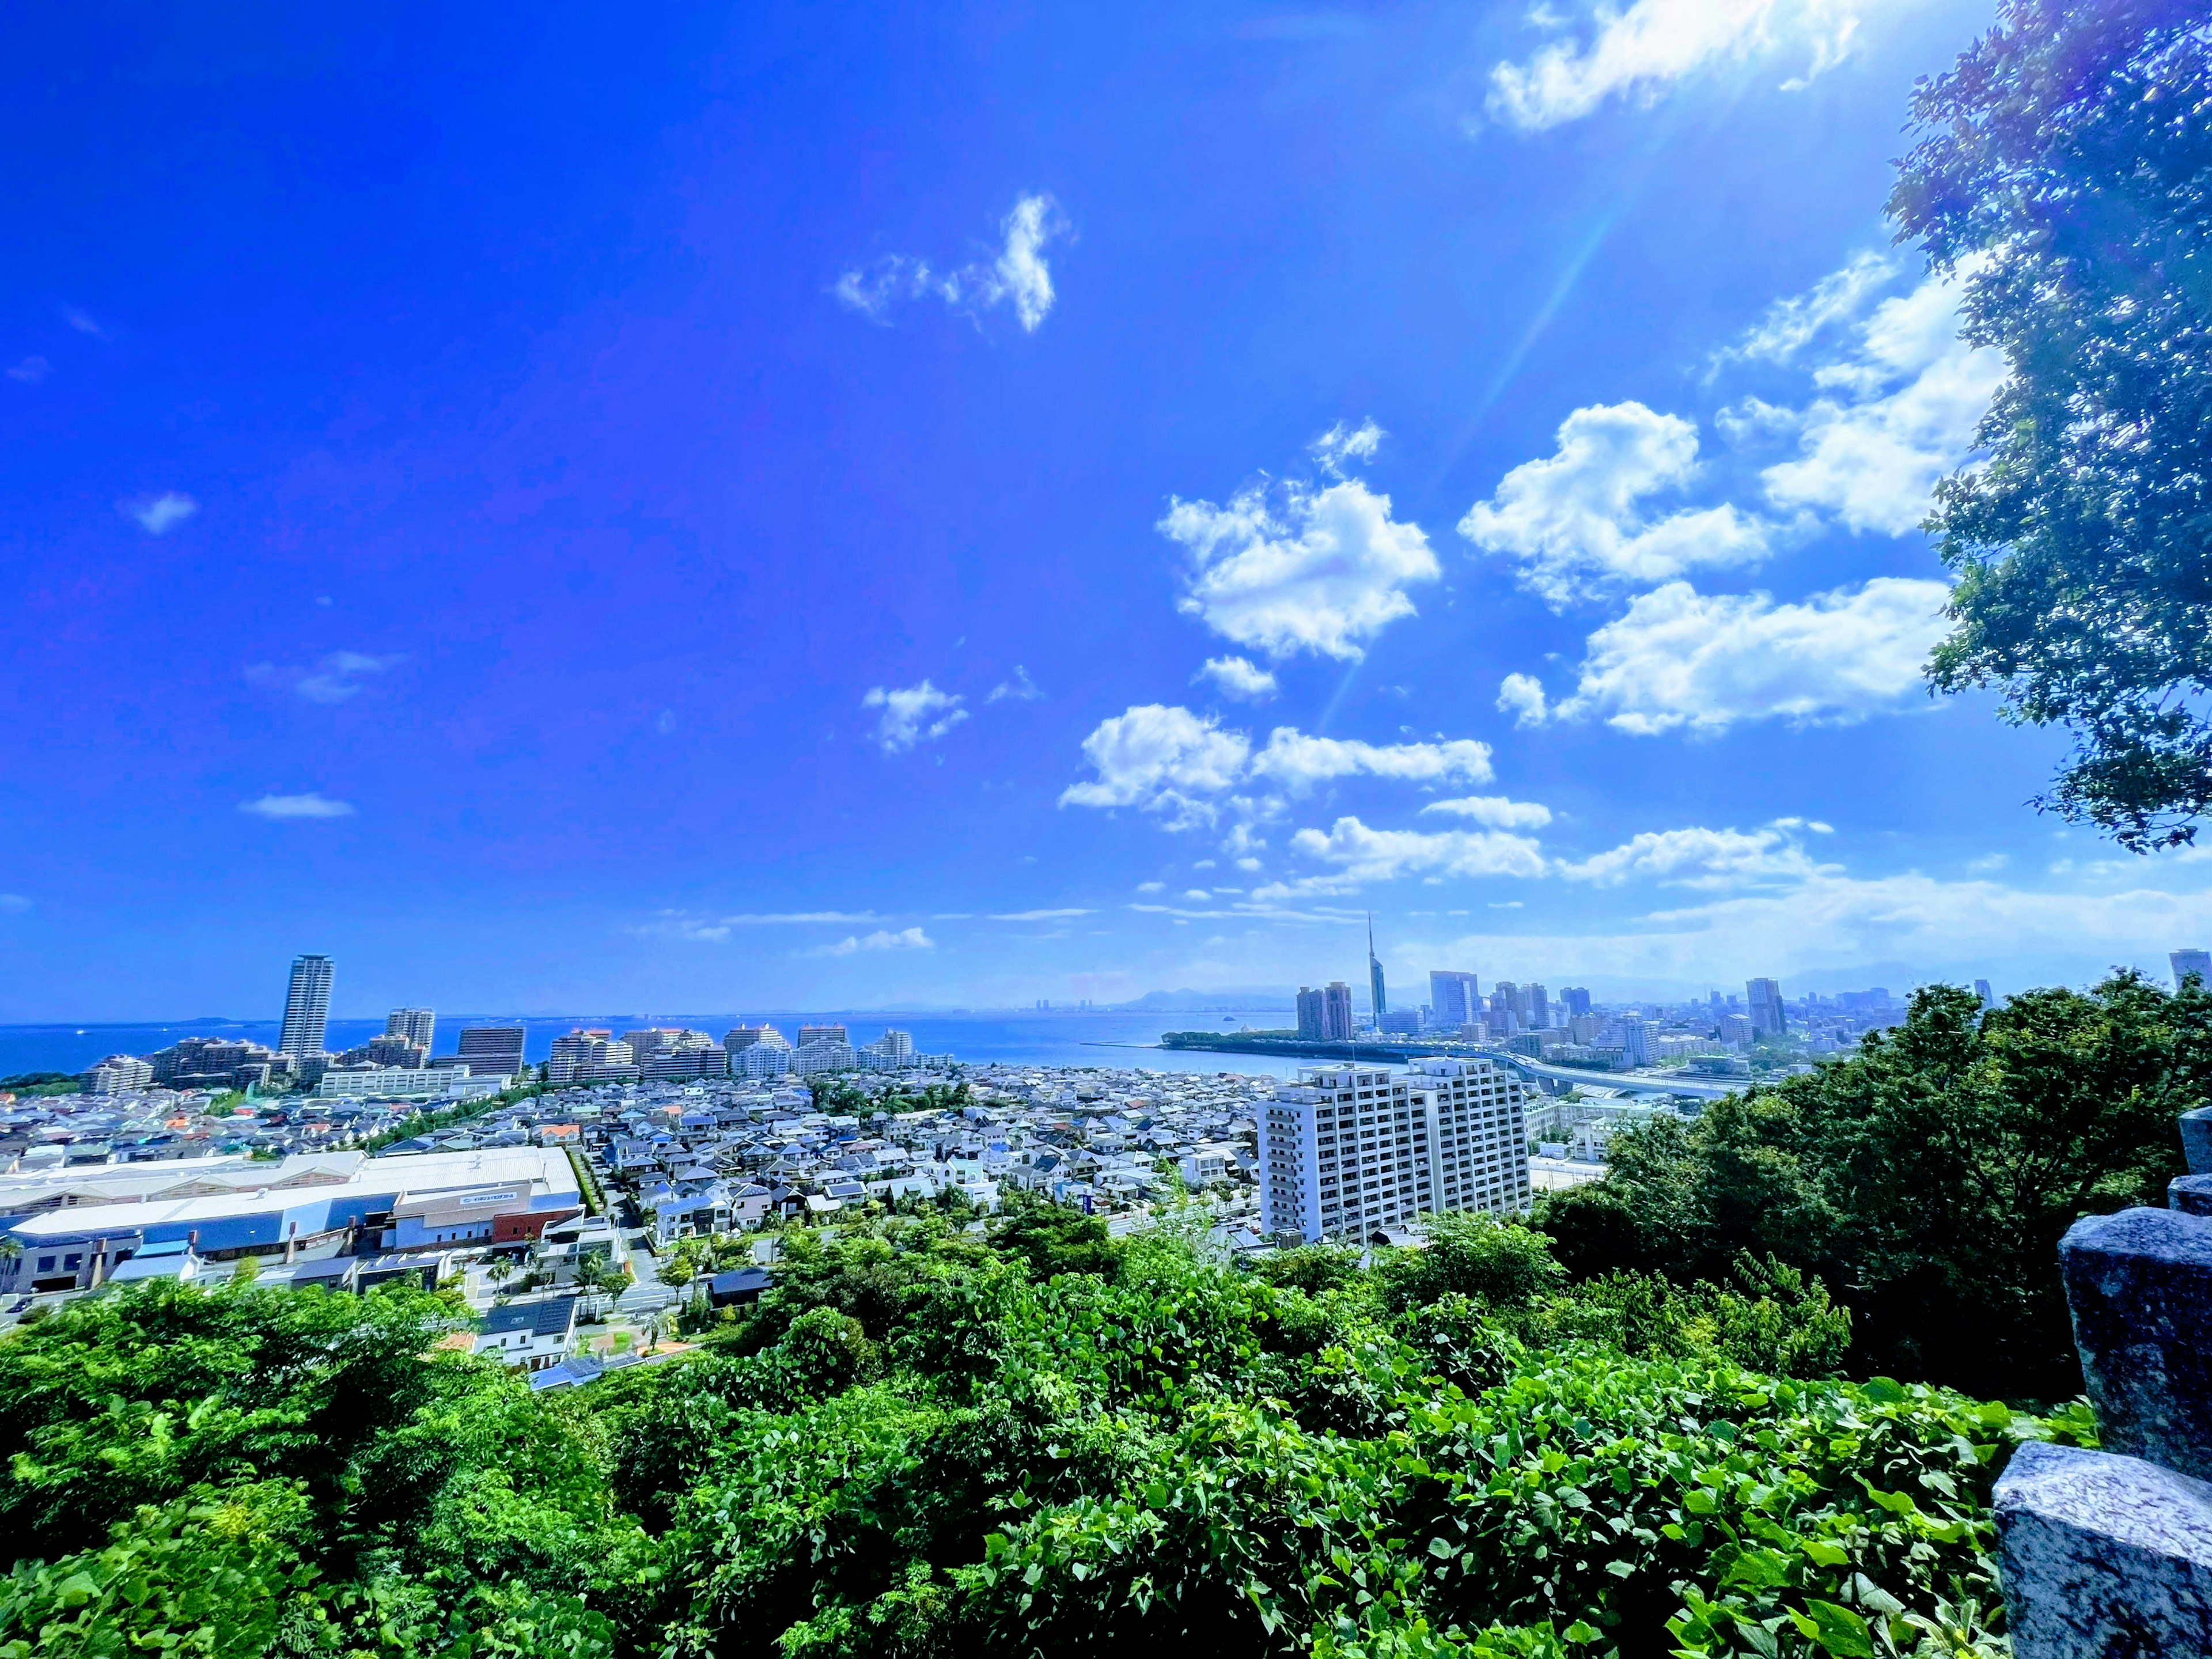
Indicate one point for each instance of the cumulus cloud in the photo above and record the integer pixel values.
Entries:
(157, 515)
(335, 679)
(1495, 811)
(1017, 277)
(1358, 854)
(1522, 695)
(1575, 519)
(1680, 659)
(1161, 759)
(1898, 412)
(1298, 762)
(913, 714)
(1299, 566)
(907, 938)
(1239, 678)
(1698, 857)
(1646, 47)
(1021, 688)
(289, 808)
(1340, 445)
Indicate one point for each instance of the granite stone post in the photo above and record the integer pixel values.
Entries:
(2140, 1285)
(2196, 1140)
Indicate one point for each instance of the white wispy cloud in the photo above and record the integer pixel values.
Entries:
(30, 371)
(913, 714)
(1679, 658)
(1698, 857)
(335, 679)
(157, 515)
(1495, 811)
(1897, 412)
(1792, 324)
(787, 918)
(1358, 854)
(1238, 677)
(1575, 521)
(1298, 762)
(1021, 688)
(83, 322)
(1042, 915)
(14, 902)
(1018, 275)
(1161, 759)
(1642, 49)
(1300, 566)
(906, 938)
(286, 808)
(1341, 445)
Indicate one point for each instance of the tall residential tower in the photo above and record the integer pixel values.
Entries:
(306, 1007)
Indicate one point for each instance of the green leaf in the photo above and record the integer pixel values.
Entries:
(1839, 1630)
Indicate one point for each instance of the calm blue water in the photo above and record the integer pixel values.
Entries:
(1035, 1039)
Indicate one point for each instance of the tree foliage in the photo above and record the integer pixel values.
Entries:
(1929, 1180)
(2064, 169)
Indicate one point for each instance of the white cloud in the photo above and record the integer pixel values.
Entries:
(1342, 444)
(907, 938)
(1041, 915)
(83, 322)
(1161, 759)
(1900, 413)
(1698, 857)
(1300, 569)
(1495, 811)
(1238, 677)
(782, 918)
(157, 515)
(30, 371)
(1681, 659)
(1017, 277)
(1360, 855)
(1791, 325)
(1648, 46)
(1522, 695)
(1298, 762)
(1151, 887)
(288, 807)
(1021, 688)
(1575, 519)
(336, 678)
(14, 902)
(915, 714)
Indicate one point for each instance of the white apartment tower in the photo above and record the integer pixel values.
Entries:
(1349, 1149)
(417, 1025)
(306, 1007)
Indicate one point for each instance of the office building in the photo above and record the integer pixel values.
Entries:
(1763, 1002)
(396, 1083)
(491, 1050)
(417, 1025)
(1400, 1022)
(1337, 1024)
(589, 1056)
(2186, 963)
(1539, 1009)
(1349, 1150)
(1454, 998)
(1574, 1002)
(1313, 1018)
(306, 1007)
(1379, 1004)
(117, 1074)
(1981, 990)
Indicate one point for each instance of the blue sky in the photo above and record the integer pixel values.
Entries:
(796, 506)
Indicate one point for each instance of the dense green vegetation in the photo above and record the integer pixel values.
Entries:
(1928, 1180)
(1018, 1437)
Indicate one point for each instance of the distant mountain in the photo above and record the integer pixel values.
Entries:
(1235, 1000)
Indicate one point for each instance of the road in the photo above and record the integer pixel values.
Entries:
(1700, 1088)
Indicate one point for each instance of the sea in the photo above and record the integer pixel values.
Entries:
(1103, 1037)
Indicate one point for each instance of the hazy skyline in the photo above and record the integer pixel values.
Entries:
(793, 508)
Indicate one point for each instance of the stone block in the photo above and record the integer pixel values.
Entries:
(2196, 1140)
(2104, 1556)
(2191, 1195)
(2139, 1284)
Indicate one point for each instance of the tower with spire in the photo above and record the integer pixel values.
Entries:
(1375, 974)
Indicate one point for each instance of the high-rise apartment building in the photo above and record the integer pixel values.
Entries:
(1635, 1040)
(1454, 998)
(2186, 963)
(1574, 1001)
(393, 1051)
(1350, 1149)
(1337, 1021)
(416, 1025)
(491, 1050)
(584, 1056)
(811, 1033)
(1763, 1002)
(1379, 1004)
(306, 1007)
(116, 1074)
(1312, 1016)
